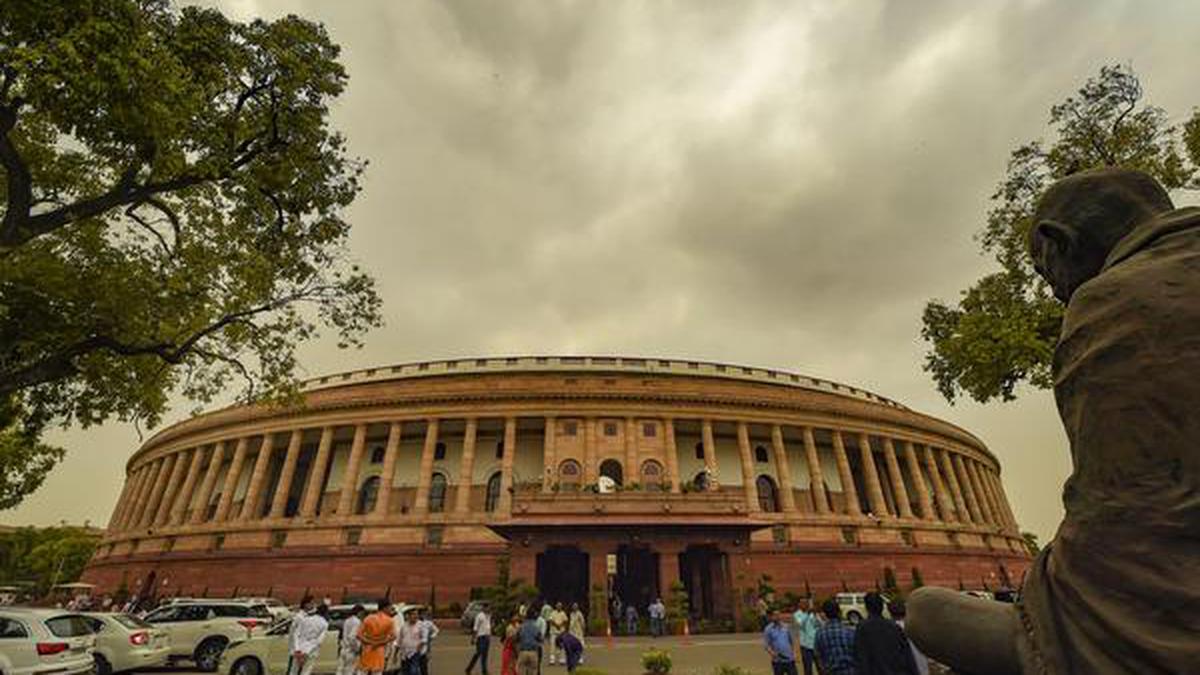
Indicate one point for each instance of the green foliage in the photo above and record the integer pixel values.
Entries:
(677, 607)
(24, 460)
(1003, 329)
(726, 669)
(1031, 543)
(507, 596)
(45, 556)
(172, 207)
(656, 661)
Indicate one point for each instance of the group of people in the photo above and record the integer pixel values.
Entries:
(370, 641)
(627, 615)
(876, 646)
(540, 629)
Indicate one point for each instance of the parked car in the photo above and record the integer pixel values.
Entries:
(268, 654)
(35, 641)
(200, 630)
(125, 642)
(470, 612)
(853, 606)
(276, 607)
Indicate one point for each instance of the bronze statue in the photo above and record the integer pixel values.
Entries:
(1118, 589)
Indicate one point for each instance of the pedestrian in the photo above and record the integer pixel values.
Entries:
(631, 619)
(508, 655)
(898, 611)
(307, 634)
(880, 646)
(615, 608)
(376, 634)
(529, 644)
(558, 626)
(764, 612)
(834, 643)
(658, 616)
(578, 626)
(807, 622)
(777, 639)
(348, 645)
(572, 649)
(410, 643)
(430, 631)
(481, 637)
(544, 626)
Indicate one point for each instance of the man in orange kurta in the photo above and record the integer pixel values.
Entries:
(376, 633)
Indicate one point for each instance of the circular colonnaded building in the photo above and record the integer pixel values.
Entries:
(633, 473)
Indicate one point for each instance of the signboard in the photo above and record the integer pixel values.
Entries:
(611, 560)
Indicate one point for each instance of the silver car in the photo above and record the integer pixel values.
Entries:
(43, 641)
(125, 642)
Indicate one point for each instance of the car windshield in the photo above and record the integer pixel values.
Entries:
(130, 621)
(69, 626)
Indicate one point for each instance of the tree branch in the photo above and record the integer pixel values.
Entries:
(19, 182)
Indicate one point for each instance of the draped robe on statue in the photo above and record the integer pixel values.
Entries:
(1118, 590)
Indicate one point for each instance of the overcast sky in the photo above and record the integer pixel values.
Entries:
(780, 184)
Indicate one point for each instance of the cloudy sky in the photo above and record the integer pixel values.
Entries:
(781, 184)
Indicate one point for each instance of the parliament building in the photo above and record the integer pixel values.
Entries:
(612, 472)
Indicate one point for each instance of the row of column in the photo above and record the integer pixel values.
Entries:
(158, 493)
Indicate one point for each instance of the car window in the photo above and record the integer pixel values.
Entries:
(163, 615)
(260, 612)
(12, 630)
(71, 625)
(281, 628)
(196, 613)
(130, 621)
(230, 610)
(96, 624)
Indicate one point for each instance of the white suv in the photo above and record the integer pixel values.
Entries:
(201, 629)
(853, 606)
(36, 641)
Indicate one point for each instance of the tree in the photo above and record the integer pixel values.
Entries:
(1003, 330)
(172, 201)
(45, 556)
(1031, 543)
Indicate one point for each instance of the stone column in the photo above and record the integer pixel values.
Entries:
(898, 489)
(184, 497)
(710, 447)
(316, 475)
(384, 501)
(345, 505)
(121, 503)
(668, 568)
(945, 502)
(286, 474)
(171, 489)
(128, 504)
(598, 566)
(210, 481)
(997, 510)
(849, 491)
(1002, 500)
(964, 482)
(871, 477)
(633, 472)
(786, 493)
(506, 466)
(672, 455)
(985, 507)
(425, 475)
(749, 484)
(156, 492)
(816, 479)
(466, 469)
(152, 471)
(590, 470)
(960, 503)
(258, 479)
(918, 481)
(229, 487)
(549, 460)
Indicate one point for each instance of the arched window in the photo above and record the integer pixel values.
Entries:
(367, 495)
(700, 450)
(500, 449)
(652, 475)
(768, 494)
(760, 455)
(377, 454)
(439, 451)
(493, 493)
(702, 482)
(612, 469)
(569, 475)
(437, 493)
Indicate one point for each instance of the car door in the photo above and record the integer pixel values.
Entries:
(198, 623)
(170, 620)
(17, 650)
(327, 657)
(278, 647)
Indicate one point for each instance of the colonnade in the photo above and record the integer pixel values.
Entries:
(951, 484)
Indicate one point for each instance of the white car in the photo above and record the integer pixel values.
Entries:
(854, 608)
(37, 641)
(125, 642)
(276, 607)
(268, 654)
(200, 630)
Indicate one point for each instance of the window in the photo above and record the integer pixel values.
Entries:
(437, 493)
(701, 481)
(849, 535)
(779, 534)
(649, 429)
(500, 449)
(10, 630)
(493, 493)
(569, 475)
(907, 537)
(612, 469)
(377, 454)
(761, 456)
(570, 428)
(69, 626)
(700, 450)
(218, 542)
(652, 475)
(368, 495)
(610, 428)
(353, 536)
(768, 494)
(169, 545)
(278, 538)
(433, 535)
(439, 452)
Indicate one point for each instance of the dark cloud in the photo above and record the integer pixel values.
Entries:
(775, 183)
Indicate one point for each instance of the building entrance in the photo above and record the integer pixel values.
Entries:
(636, 581)
(562, 575)
(704, 571)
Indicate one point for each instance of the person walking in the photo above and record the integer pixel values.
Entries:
(572, 649)
(880, 646)
(306, 636)
(529, 644)
(558, 626)
(764, 612)
(631, 619)
(508, 655)
(544, 626)
(658, 615)
(430, 632)
(777, 638)
(807, 622)
(898, 612)
(348, 645)
(376, 634)
(410, 643)
(578, 626)
(834, 643)
(481, 637)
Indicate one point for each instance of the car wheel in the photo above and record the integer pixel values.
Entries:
(853, 617)
(103, 667)
(247, 665)
(208, 654)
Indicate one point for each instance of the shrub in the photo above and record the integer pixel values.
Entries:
(456, 609)
(726, 669)
(656, 661)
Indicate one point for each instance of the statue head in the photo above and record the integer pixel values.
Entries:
(1081, 218)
